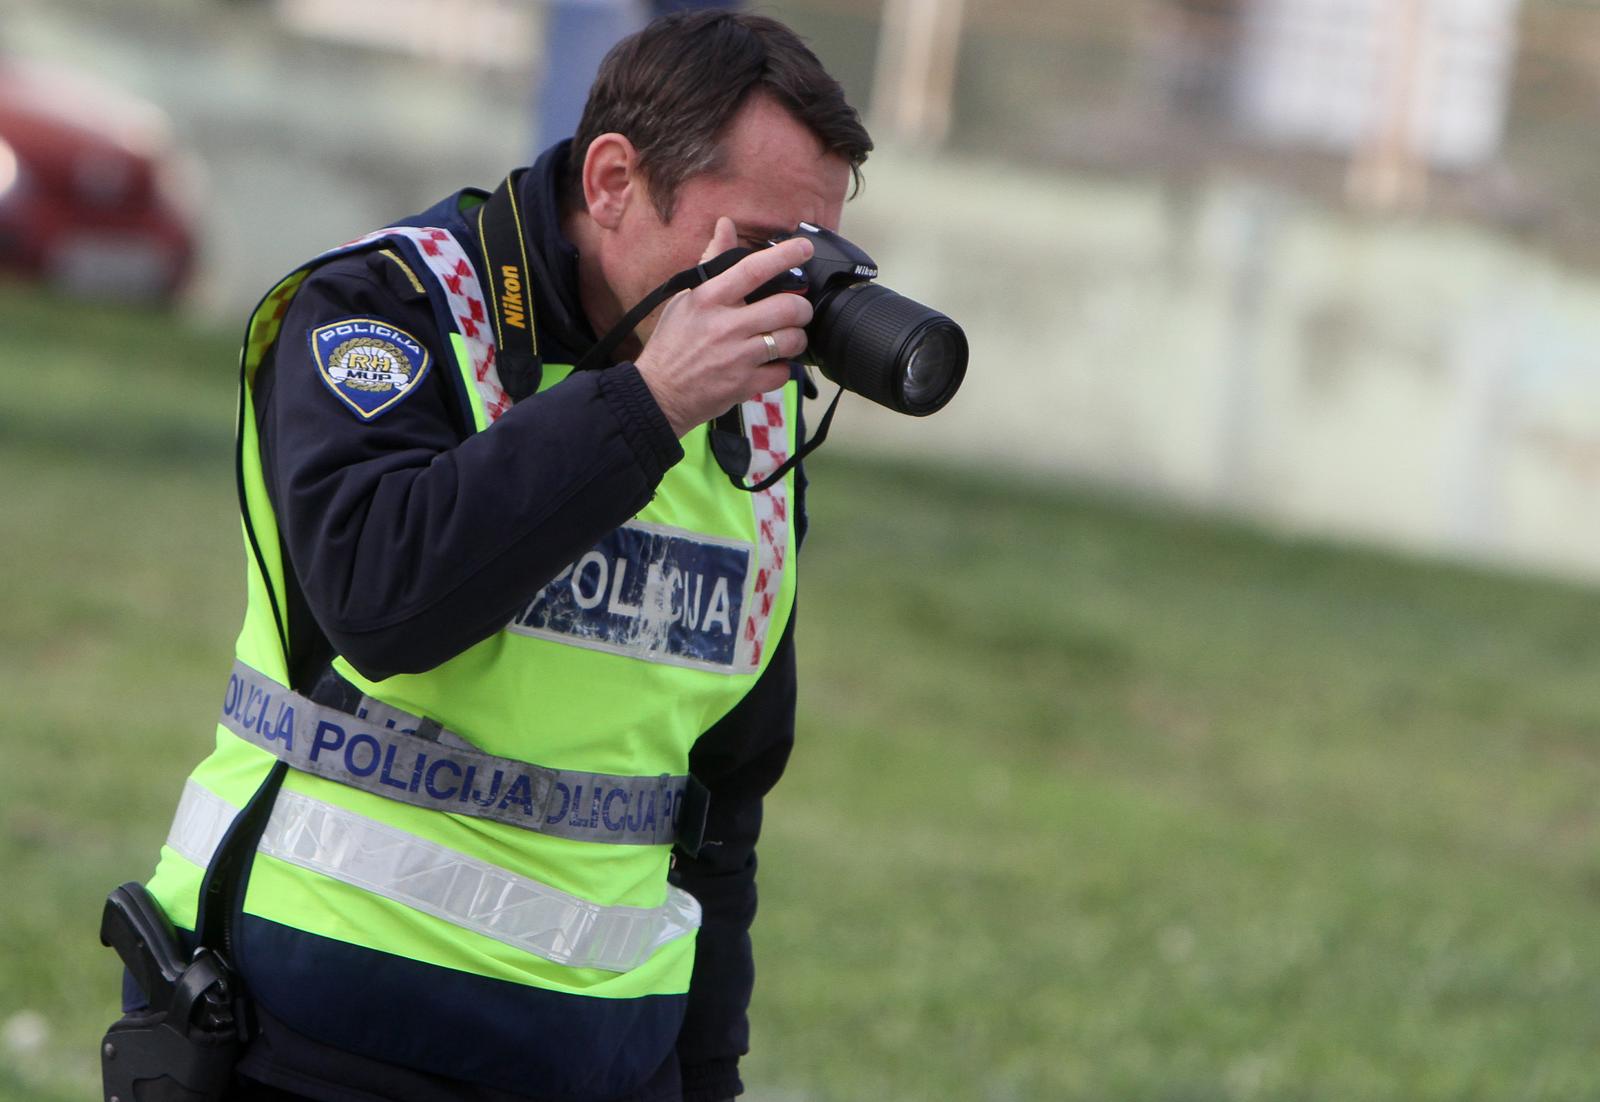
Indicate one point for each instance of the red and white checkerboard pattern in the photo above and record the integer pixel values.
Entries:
(267, 321)
(450, 265)
(766, 427)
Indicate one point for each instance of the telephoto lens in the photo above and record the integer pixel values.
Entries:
(873, 341)
(886, 347)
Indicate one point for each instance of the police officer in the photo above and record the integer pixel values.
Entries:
(517, 667)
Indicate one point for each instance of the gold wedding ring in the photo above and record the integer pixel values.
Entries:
(772, 346)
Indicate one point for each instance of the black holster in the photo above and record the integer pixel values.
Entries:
(184, 1046)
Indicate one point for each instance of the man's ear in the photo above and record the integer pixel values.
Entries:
(610, 178)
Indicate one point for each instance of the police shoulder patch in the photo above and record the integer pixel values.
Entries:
(370, 365)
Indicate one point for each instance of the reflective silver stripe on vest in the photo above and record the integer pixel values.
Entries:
(434, 879)
(203, 818)
(444, 773)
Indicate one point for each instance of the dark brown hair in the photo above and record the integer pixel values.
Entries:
(672, 89)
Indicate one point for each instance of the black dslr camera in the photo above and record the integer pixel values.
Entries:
(865, 337)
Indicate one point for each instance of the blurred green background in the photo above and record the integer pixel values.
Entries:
(1130, 765)
(1091, 801)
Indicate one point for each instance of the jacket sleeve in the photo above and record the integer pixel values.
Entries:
(411, 537)
(739, 760)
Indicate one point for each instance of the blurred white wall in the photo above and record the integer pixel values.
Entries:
(1420, 382)
(1426, 384)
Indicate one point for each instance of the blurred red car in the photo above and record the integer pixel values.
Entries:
(92, 188)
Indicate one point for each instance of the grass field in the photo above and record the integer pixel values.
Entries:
(1091, 801)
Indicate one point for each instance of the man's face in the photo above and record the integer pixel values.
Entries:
(774, 176)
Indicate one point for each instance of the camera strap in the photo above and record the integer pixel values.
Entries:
(728, 441)
(732, 449)
(505, 256)
(600, 355)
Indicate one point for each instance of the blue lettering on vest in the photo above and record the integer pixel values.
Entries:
(521, 794)
(577, 798)
(233, 697)
(662, 596)
(283, 730)
(416, 772)
(386, 776)
(494, 791)
(566, 799)
(361, 738)
(442, 763)
(329, 736)
(605, 810)
(252, 706)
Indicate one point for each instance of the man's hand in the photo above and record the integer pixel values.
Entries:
(707, 353)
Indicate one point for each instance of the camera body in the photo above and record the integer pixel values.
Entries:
(865, 337)
(835, 262)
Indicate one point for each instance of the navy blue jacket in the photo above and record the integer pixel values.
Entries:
(411, 538)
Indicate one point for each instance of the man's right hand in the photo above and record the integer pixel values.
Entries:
(707, 354)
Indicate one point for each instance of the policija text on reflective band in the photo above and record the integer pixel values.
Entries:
(464, 891)
(443, 774)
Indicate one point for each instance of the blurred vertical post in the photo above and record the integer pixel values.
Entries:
(1403, 88)
(915, 78)
(577, 36)
(1388, 170)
